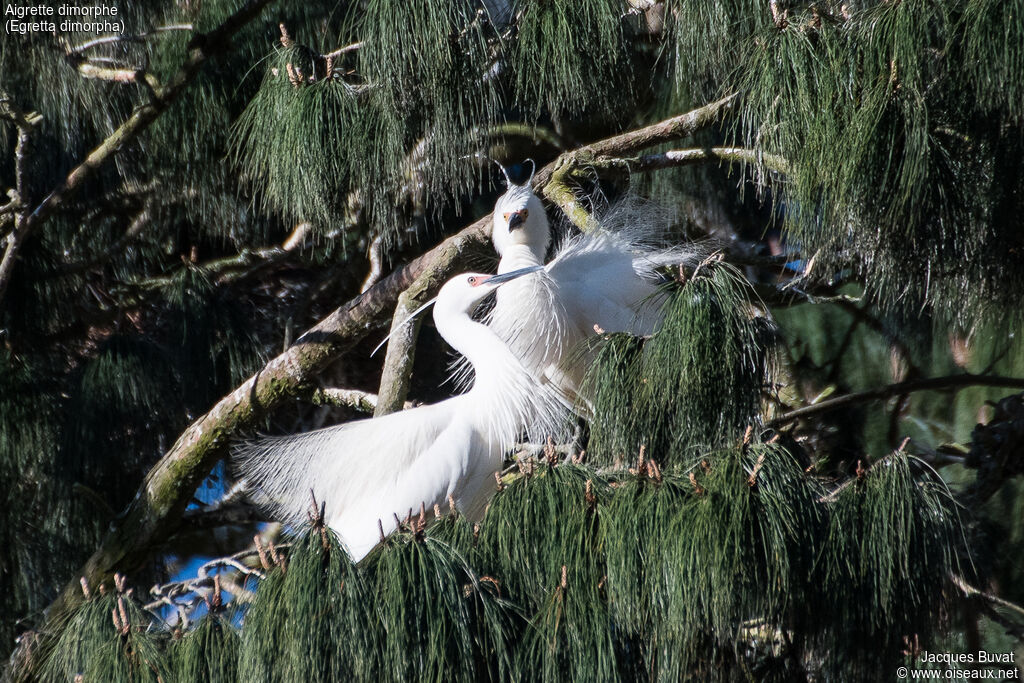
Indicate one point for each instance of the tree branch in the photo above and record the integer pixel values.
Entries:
(692, 157)
(555, 183)
(228, 514)
(363, 401)
(899, 389)
(991, 602)
(201, 48)
(25, 123)
(401, 354)
(138, 38)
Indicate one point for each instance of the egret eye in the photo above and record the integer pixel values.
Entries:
(525, 213)
(473, 280)
(507, 215)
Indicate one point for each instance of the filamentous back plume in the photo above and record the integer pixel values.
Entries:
(369, 473)
(606, 280)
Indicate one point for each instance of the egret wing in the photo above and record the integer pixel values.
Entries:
(355, 469)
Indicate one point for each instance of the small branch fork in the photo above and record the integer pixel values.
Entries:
(230, 573)
(321, 66)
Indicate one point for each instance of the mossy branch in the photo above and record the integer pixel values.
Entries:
(401, 354)
(355, 399)
(691, 157)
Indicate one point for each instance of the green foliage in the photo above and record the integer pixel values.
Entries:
(299, 144)
(701, 46)
(405, 127)
(109, 638)
(207, 653)
(35, 549)
(994, 51)
(693, 560)
(893, 537)
(694, 384)
(714, 572)
(312, 619)
(210, 334)
(540, 538)
(442, 622)
(570, 56)
(900, 170)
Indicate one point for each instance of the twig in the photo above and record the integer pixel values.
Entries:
(898, 389)
(992, 601)
(135, 228)
(376, 257)
(343, 50)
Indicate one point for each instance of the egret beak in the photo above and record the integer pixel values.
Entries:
(512, 275)
(517, 219)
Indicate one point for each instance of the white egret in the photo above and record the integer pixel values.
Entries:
(375, 469)
(599, 281)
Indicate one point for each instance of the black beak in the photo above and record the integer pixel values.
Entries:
(515, 220)
(505, 277)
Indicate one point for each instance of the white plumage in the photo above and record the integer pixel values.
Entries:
(374, 469)
(599, 280)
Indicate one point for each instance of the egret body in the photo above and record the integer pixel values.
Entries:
(596, 281)
(372, 470)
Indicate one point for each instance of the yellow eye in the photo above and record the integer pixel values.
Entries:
(507, 215)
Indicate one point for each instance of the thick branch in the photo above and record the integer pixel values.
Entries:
(201, 48)
(19, 195)
(401, 353)
(363, 401)
(230, 514)
(675, 128)
(899, 389)
(394, 382)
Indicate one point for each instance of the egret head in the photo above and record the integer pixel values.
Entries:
(519, 219)
(461, 294)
